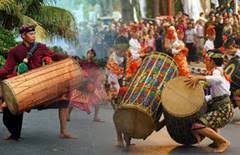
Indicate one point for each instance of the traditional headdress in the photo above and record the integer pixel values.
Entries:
(216, 53)
(211, 30)
(134, 28)
(171, 33)
(26, 28)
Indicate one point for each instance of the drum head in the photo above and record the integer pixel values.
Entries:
(134, 122)
(180, 100)
(9, 97)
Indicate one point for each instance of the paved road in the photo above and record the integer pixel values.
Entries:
(40, 133)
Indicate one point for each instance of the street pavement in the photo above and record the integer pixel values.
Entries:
(41, 129)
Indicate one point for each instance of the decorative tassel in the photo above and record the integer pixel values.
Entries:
(46, 60)
(123, 91)
(22, 68)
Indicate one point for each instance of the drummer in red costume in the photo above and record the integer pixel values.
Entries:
(32, 54)
(91, 88)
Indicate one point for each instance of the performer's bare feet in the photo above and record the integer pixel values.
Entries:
(222, 147)
(98, 120)
(127, 140)
(12, 138)
(119, 143)
(213, 145)
(67, 136)
(2, 106)
(237, 123)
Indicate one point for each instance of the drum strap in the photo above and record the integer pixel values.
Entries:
(32, 49)
(23, 66)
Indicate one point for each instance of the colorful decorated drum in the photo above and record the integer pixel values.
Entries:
(182, 106)
(233, 70)
(140, 107)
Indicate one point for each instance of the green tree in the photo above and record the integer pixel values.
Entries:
(51, 21)
(128, 10)
(7, 40)
(58, 49)
(150, 10)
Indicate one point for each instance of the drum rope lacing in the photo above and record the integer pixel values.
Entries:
(153, 56)
(156, 57)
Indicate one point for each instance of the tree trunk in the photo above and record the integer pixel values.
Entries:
(163, 7)
(150, 11)
(127, 11)
(107, 7)
(178, 6)
(156, 8)
(206, 5)
(143, 8)
(136, 5)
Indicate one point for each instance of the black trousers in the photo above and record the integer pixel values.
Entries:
(13, 123)
(192, 54)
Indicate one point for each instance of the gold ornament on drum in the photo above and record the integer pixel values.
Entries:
(230, 69)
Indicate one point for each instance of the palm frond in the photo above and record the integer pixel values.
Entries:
(57, 22)
(7, 6)
(51, 21)
(9, 14)
(34, 6)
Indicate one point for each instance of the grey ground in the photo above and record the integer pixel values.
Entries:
(41, 128)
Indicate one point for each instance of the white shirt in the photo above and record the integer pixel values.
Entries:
(215, 2)
(151, 43)
(135, 48)
(209, 45)
(219, 84)
(199, 30)
(190, 34)
(229, 57)
(117, 59)
(175, 45)
(113, 78)
(237, 53)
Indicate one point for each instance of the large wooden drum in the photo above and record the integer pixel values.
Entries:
(1, 97)
(182, 106)
(41, 85)
(141, 105)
